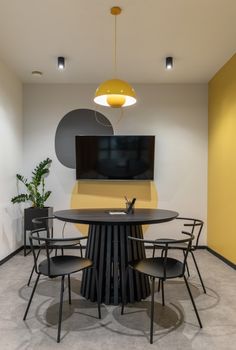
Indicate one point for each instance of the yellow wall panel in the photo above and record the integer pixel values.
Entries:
(222, 162)
(110, 194)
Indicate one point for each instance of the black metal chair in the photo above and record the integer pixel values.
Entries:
(46, 224)
(195, 226)
(58, 266)
(162, 268)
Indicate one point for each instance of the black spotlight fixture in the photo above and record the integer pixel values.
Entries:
(61, 63)
(169, 63)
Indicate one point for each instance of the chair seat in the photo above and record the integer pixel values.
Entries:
(64, 265)
(154, 267)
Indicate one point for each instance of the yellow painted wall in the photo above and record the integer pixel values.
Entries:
(110, 194)
(222, 162)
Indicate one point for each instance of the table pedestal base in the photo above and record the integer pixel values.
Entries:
(108, 248)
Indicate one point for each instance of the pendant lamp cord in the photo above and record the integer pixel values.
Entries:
(109, 125)
(115, 58)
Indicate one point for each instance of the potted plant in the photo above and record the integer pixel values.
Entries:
(36, 194)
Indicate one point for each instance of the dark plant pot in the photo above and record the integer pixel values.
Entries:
(32, 213)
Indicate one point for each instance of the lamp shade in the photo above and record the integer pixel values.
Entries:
(115, 93)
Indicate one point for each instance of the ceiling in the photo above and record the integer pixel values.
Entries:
(199, 34)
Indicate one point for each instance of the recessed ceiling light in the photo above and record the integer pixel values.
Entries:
(37, 73)
(169, 63)
(61, 63)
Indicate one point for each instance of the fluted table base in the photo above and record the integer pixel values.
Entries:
(107, 247)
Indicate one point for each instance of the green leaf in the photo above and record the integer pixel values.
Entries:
(20, 198)
(47, 194)
(22, 179)
(36, 186)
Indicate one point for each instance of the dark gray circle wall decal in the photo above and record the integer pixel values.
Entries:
(78, 122)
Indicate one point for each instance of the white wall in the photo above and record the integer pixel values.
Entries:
(176, 114)
(11, 160)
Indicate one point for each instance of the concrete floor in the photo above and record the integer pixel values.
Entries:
(175, 326)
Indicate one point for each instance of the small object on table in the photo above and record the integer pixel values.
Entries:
(130, 206)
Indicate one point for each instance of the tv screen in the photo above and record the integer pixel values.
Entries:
(115, 157)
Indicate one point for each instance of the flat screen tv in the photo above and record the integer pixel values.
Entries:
(115, 157)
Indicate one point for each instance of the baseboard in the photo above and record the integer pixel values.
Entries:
(8, 257)
(226, 261)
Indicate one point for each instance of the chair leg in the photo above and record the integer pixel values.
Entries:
(33, 269)
(159, 285)
(123, 296)
(162, 253)
(162, 292)
(153, 252)
(200, 277)
(122, 307)
(60, 310)
(192, 300)
(187, 269)
(98, 293)
(30, 277)
(152, 309)
(69, 289)
(81, 251)
(25, 242)
(31, 297)
(186, 264)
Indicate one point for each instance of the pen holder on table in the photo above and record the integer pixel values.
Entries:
(128, 205)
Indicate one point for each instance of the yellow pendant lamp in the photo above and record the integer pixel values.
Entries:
(115, 93)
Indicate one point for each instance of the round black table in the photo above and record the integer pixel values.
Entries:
(108, 248)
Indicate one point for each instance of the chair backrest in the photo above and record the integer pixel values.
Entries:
(167, 244)
(43, 238)
(47, 224)
(195, 227)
